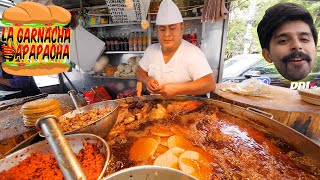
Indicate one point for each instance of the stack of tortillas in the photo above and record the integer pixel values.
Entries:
(34, 110)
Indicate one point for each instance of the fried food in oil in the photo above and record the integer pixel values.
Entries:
(202, 141)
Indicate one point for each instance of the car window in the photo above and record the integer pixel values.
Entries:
(239, 64)
(265, 68)
(230, 62)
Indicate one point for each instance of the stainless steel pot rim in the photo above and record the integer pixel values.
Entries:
(101, 102)
(79, 111)
(151, 169)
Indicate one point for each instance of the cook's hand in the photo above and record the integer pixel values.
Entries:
(152, 85)
(167, 90)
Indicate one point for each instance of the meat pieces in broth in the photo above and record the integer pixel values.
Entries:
(198, 139)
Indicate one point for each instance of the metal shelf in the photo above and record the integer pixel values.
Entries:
(185, 19)
(192, 18)
(137, 23)
(106, 25)
(111, 77)
(124, 52)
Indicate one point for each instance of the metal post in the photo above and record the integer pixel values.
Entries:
(61, 83)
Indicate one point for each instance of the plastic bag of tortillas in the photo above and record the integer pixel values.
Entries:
(250, 87)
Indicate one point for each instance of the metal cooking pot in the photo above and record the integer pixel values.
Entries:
(259, 121)
(76, 142)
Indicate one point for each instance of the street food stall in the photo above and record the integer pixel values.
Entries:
(118, 74)
(103, 128)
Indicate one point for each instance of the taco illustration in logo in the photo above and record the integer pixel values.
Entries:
(31, 22)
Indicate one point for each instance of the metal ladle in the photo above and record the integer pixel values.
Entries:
(60, 147)
(77, 99)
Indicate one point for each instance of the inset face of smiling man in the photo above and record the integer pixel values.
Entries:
(288, 38)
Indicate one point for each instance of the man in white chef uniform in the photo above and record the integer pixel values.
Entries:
(174, 66)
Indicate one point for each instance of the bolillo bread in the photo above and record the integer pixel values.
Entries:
(39, 13)
(59, 14)
(38, 70)
(16, 15)
(32, 12)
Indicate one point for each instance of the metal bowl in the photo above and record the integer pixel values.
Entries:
(76, 142)
(101, 126)
(149, 172)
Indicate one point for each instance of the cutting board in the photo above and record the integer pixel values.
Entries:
(284, 104)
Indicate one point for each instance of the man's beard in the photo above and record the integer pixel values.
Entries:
(295, 76)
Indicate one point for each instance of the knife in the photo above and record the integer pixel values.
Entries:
(24, 100)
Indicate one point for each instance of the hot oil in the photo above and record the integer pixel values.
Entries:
(119, 155)
(201, 168)
(228, 148)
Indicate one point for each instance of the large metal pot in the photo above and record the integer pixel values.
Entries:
(261, 122)
(76, 142)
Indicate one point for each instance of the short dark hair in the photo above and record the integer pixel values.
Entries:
(277, 15)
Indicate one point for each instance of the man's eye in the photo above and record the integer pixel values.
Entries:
(305, 40)
(162, 29)
(172, 28)
(282, 41)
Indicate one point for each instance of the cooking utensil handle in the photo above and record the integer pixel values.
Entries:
(31, 98)
(269, 115)
(73, 95)
(139, 88)
(24, 100)
(60, 147)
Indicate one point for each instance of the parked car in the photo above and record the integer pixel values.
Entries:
(241, 67)
(237, 65)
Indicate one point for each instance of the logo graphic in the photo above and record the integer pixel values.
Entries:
(303, 85)
(36, 41)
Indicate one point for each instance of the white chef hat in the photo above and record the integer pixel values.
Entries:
(168, 13)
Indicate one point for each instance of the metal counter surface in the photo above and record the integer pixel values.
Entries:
(12, 129)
